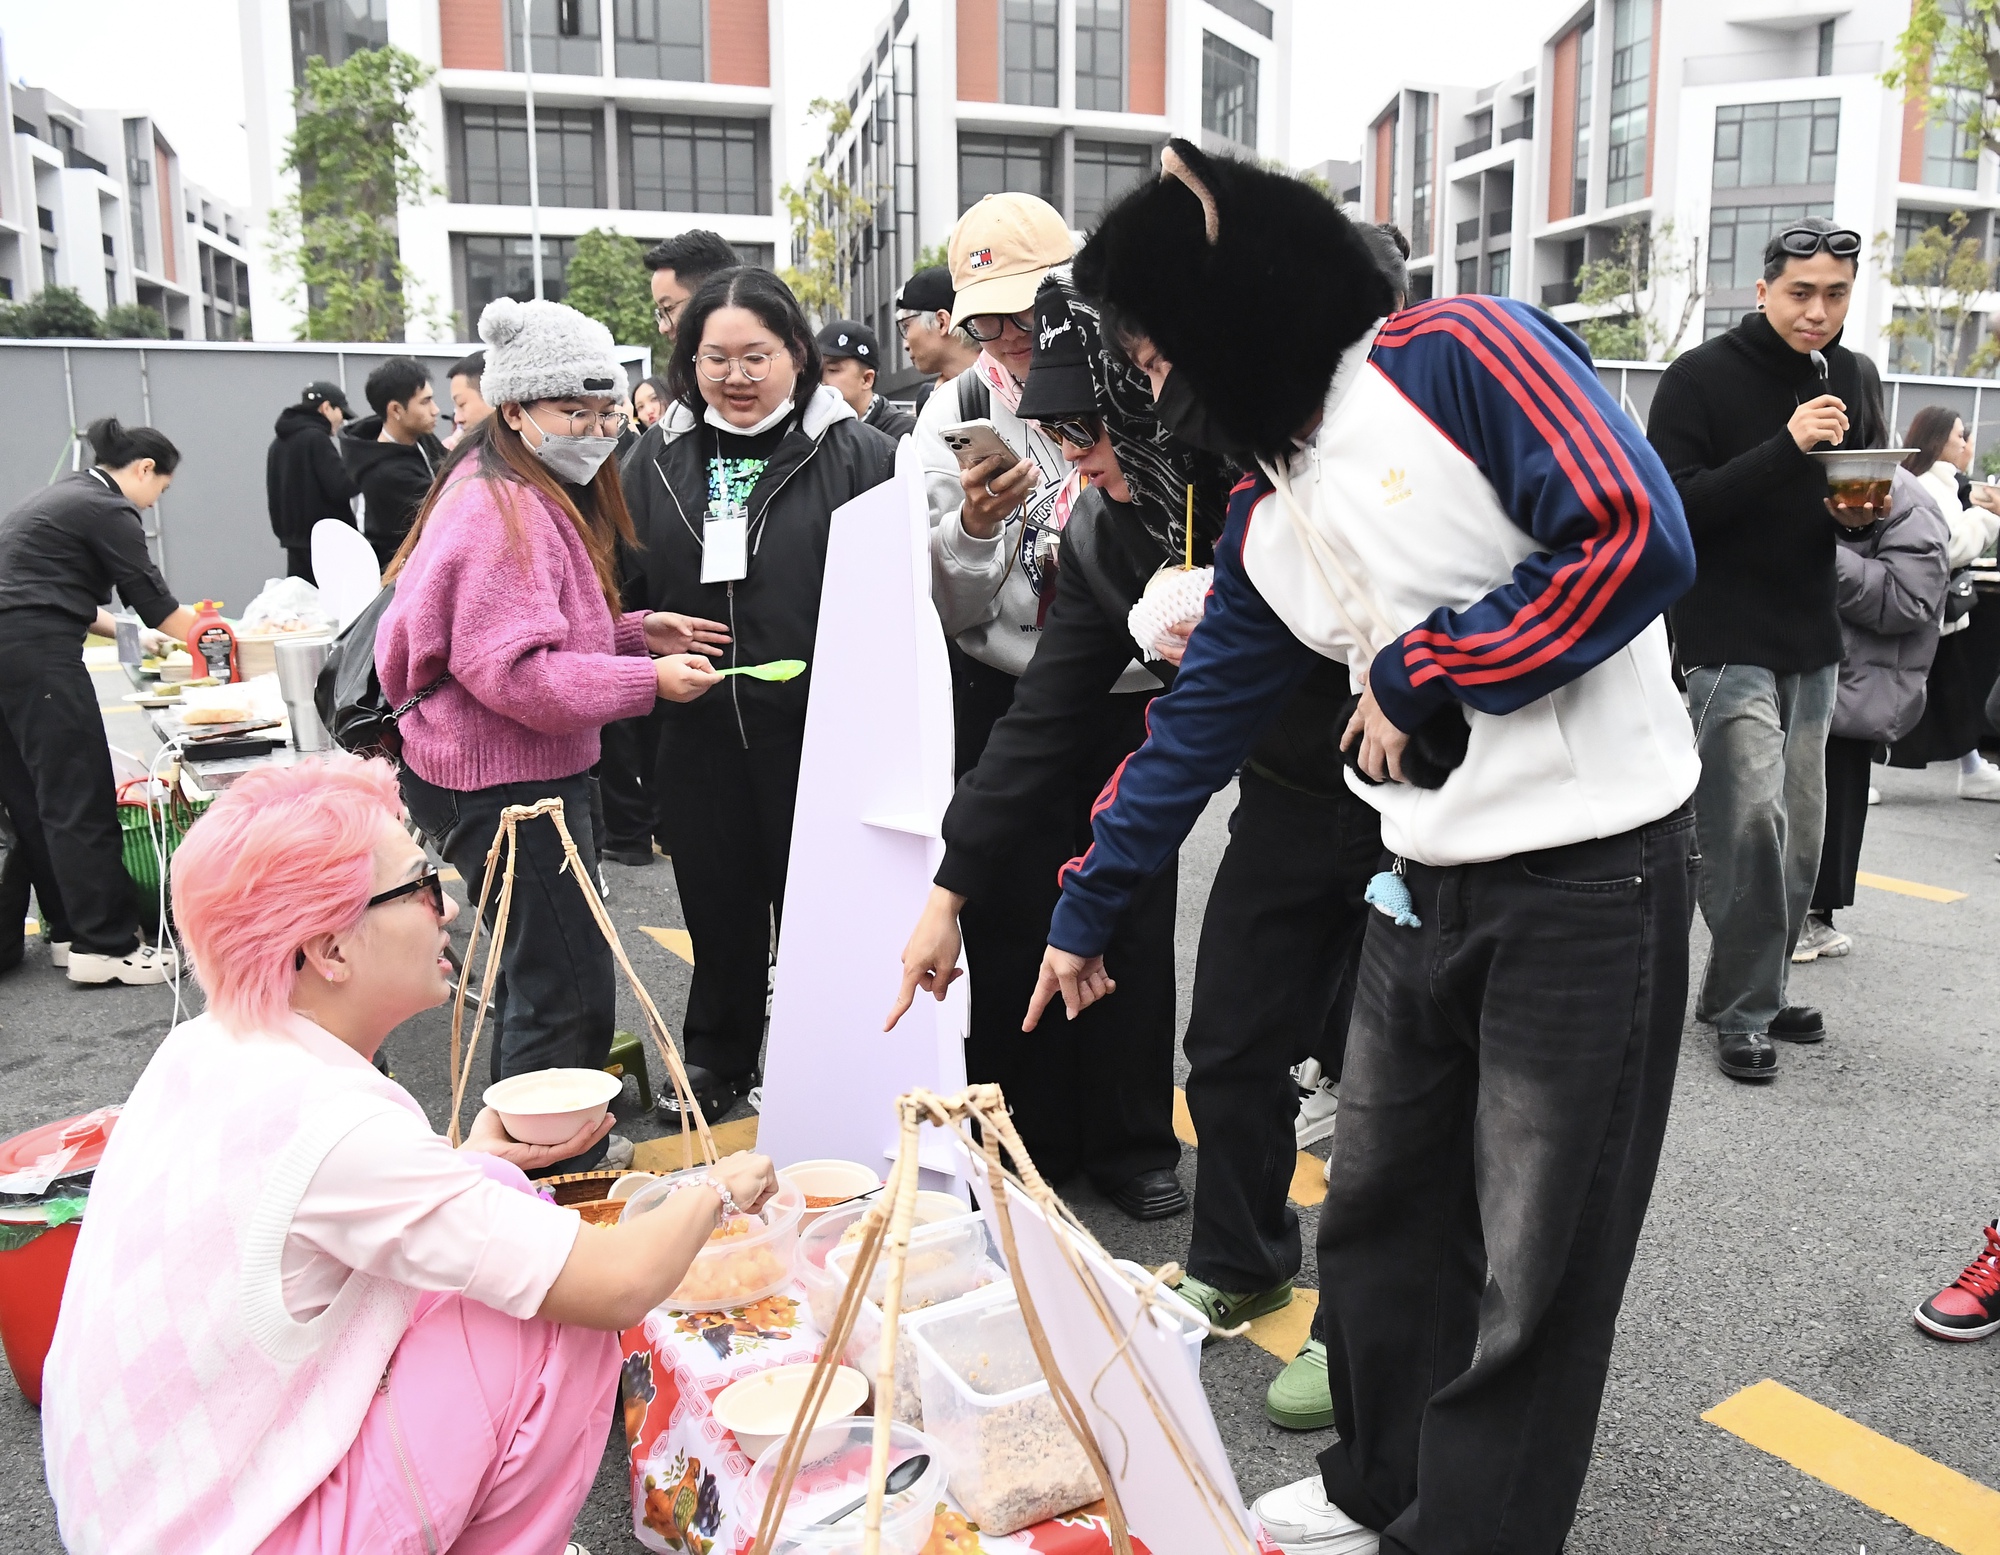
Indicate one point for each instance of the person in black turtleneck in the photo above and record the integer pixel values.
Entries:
(1758, 636)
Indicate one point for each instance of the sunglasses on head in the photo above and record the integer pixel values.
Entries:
(1077, 431)
(1802, 242)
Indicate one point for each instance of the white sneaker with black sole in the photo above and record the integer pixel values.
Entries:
(1300, 1520)
(617, 1153)
(147, 964)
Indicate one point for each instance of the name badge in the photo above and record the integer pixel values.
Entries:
(725, 544)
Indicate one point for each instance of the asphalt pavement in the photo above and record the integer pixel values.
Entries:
(1793, 1228)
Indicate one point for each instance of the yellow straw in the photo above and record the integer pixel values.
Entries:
(1188, 565)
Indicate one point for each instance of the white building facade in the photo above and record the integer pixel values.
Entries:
(95, 200)
(1727, 118)
(1069, 100)
(652, 117)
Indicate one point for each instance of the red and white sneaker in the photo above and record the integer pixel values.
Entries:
(1969, 1307)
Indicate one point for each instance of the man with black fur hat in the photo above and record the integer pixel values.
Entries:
(1450, 503)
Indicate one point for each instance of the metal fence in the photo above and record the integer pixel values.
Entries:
(218, 401)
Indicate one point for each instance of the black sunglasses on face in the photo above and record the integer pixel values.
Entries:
(1803, 242)
(1078, 432)
(988, 327)
(430, 882)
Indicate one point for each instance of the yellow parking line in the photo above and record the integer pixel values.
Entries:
(666, 1155)
(679, 941)
(1928, 893)
(1884, 1475)
(1308, 1172)
(1284, 1332)
(1183, 1119)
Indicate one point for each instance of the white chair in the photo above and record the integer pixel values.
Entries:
(344, 562)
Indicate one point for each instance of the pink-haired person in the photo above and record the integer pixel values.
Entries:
(298, 1320)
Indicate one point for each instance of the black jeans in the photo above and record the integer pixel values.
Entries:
(1273, 984)
(556, 998)
(625, 778)
(1847, 763)
(1509, 1069)
(726, 814)
(55, 780)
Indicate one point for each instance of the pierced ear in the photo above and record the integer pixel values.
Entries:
(1171, 166)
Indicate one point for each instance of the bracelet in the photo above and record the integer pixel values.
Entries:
(729, 1205)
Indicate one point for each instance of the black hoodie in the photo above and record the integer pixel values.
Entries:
(394, 479)
(304, 480)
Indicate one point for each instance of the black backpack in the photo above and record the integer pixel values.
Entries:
(349, 693)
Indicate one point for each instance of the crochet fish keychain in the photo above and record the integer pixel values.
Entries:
(1389, 894)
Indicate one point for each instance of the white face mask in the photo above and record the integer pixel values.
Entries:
(715, 418)
(573, 459)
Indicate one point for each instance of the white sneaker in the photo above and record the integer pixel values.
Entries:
(147, 964)
(1983, 784)
(1307, 1075)
(1820, 940)
(1316, 1114)
(1874, 794)
(1326, 1172)
(1301, 1521)
(59, 952)
(755, 1096)
(617, 1153)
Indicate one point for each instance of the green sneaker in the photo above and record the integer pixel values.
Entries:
(1300, 1398)
(1227, 1308)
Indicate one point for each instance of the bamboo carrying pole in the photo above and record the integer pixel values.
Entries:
(887, 1225)
(506, 832)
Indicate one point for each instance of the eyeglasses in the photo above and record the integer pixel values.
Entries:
(756, 366)
(1078, 431)
(1801, 242)
(667, 312)
(905, 320)
(429, 882)
(989, 327)
(609, 423)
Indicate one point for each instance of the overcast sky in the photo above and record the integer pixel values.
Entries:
(179, 60)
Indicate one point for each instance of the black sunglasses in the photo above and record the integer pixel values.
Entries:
(989, 327)
(430, 882)
(1801, 242)
(1077, 431)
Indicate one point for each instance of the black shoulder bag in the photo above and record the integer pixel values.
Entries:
(349, 693)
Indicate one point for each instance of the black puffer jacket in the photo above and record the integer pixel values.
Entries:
(827, 457)
(394, 479)
(304, 480)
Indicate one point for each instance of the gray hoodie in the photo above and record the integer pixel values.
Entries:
(1889, 585)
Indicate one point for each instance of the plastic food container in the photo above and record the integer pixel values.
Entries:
(760, 1408)
(748, 1258)
(830, 1183)
(548, 1106)
(1012, 1459)
(835, 1473)
(838, 1227)
(946, 1259)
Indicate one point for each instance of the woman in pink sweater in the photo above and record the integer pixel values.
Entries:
(507, 622)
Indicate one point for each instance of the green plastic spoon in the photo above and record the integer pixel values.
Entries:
(777, 669)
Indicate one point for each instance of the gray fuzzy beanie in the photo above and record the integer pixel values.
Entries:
(545, 351)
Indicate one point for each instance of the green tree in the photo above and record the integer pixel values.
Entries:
(1938, 276)
(1644, 267)
(827, 214)
(134, 321)
(937, 255)
(354, 152)
(53, 313)
(608, 279)
(1947, 61)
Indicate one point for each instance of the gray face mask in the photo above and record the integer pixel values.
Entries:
(573, 459)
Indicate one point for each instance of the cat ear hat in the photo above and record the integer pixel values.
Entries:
(1250, 282)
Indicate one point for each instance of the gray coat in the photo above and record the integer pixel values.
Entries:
(1889, 581)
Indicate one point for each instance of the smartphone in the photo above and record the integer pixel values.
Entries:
(972, 441)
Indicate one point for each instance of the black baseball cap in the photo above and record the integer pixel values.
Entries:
(846, 337)
(323, 393)
(1059, 382)
(927, 291)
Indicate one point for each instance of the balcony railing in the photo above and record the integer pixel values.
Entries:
(1498, 222)
(1468, 230)
(1472, 148)
(75, 158)
(1558, 293)
(1523, 131)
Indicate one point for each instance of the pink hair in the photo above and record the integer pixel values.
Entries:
(285, 854)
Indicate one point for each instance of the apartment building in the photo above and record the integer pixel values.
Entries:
(95, 200)
(651, 117)
(1725, 118)
(1070, 100)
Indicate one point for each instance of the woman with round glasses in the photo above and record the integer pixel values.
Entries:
(508, 637)
(298, 1322)
(733, 518)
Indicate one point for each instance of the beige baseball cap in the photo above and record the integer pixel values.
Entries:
(1001, 249)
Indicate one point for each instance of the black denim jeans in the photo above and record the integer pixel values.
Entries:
(556, 998)
(1273, 985)
(1509, 1069)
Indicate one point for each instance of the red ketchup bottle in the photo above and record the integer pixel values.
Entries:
(213, 642)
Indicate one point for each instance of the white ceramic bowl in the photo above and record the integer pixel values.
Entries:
(547, 1106)
(760, 1409)
(828, 1179)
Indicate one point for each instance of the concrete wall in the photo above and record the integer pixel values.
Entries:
(218, 401)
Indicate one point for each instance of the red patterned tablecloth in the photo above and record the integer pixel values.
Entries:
(687, 1471)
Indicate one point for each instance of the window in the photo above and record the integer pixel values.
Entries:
(657, 40)
(1421, 135)
(1737, 235)
(1028, 50)
(1104, 170)
(492, 160)
(1913, 224)
(1252, 15)
(567, 39)
(1100, 55)
(1468, 275)
(993, 164)
(675, 163)
(758, 254)
(505, 267)
(1761, 145)
(1420, 286)
(1500, 273)
(1228, 91)
(1824, 67)
(1951, 154)
(1586, 62)
(335, 30)
(1949, 354)
(1631, 71)
(1720, 321)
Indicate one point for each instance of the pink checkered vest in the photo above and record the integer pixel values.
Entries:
(184, 1409)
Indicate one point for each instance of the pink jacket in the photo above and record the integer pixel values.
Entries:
(537, 663)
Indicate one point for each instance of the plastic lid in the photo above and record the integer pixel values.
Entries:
(82, 1138)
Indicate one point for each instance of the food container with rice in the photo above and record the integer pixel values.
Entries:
(748, 1257)
(548, 1106)
(834, 1476)
(1858, 481)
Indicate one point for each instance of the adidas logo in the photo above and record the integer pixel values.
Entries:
(1396, 487)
